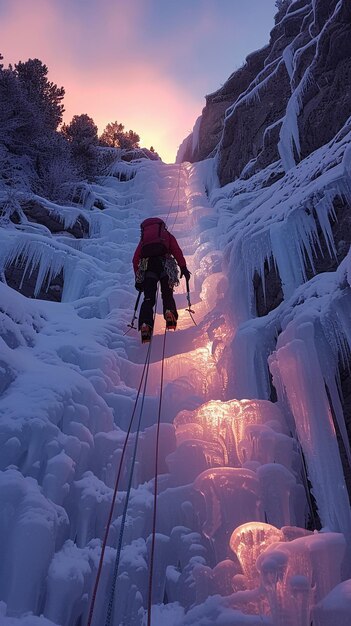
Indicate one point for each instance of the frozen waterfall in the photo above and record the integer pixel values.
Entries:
(233, 506)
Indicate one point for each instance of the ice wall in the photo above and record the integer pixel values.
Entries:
(301, 344)
(231, 543)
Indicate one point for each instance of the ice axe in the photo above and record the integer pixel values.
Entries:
(131, 325)
(189, 309)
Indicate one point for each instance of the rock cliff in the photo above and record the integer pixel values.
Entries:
(288, 106)
(287, 100)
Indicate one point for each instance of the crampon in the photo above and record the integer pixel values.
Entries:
(171, 321)
(146, 333)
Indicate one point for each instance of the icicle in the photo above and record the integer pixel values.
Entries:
(297, 365)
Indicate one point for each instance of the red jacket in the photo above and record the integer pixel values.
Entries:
(173, 249)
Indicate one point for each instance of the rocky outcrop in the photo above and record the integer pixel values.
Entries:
(326, 95)
(25, 282)
(288, 99)
(217, 103)
(36, 212)
(267, 299)
(258, 123)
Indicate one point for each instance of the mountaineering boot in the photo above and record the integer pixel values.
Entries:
(146, 332)
(171, 322)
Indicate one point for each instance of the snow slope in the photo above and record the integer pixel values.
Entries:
(231, 544)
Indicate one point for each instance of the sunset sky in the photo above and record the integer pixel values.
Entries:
(145, 63)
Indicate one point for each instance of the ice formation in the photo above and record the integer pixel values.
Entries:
(231, 543)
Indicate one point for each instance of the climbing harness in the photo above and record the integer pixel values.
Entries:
(171, 269)
(142, 267)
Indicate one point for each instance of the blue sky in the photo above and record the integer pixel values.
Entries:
(146, 63)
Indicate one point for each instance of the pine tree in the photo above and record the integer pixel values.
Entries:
(56, 167)
(115, 137)
(129, 140)
(19, 123)
(81, 131)
(44, 94)
(111, 135)
(82, 135)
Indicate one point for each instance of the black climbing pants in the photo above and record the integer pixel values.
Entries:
(155, 273)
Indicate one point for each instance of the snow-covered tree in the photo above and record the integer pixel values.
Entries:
(82, 135)
(56, 167)
(33, 155)
(81, 131)
(19, 125)
(44, 94)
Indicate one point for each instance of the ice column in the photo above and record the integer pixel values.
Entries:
(232, 496)
(295, 366)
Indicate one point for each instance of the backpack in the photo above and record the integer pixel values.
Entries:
(154, 238)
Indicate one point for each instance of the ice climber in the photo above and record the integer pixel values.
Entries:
(155, 260)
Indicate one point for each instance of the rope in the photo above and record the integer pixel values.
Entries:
(154, 517)
(121, 532)
(144, 378)
(155, 488)
(109, 520)
(175, 193)
(174, 222)
(178, 187)
(115, 572)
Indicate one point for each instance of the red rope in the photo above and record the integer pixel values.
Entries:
(109, 520)
(149, 608)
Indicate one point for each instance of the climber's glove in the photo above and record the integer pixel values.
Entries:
(139, 286)
(185, 272)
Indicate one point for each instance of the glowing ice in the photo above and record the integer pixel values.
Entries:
(231, 496)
